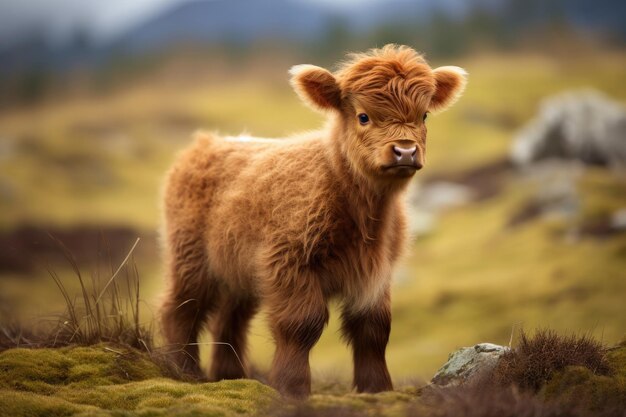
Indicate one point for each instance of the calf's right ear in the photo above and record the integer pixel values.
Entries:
(451, 82)
(316, 86)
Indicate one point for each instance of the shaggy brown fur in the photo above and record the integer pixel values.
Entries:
(294, 222)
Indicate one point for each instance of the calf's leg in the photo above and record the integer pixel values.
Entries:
(191, 297)
(367, 331)
(297, 318)
(182, 317)
(229, 328)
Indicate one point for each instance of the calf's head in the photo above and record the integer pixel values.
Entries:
(381, 100)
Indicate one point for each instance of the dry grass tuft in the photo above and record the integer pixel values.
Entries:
(536, 359)
(13, 334)
(103, 312)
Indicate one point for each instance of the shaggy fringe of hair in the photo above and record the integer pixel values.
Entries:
(393, 72)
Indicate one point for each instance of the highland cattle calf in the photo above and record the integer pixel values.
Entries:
(292, 223)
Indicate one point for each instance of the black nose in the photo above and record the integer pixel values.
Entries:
(406, 156)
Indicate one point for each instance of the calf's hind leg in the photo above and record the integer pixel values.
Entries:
(229, 328)
(191, 296)
(181, 320)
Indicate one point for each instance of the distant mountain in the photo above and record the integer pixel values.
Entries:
(608, 15)
(244, 21)
(226, 20)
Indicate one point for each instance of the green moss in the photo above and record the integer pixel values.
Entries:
(97, 380)
(19, 403)
(97, 365)
(581, 386)
(33, 370)
(225, 397)
(43, 370)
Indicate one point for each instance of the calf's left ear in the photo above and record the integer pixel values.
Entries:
(450, 82)
(316, 86)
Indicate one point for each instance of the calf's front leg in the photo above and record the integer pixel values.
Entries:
(367, 331)
(297, 317)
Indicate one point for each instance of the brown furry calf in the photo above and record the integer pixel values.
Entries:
(293, 223)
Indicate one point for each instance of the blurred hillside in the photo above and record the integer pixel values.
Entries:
(35, 61)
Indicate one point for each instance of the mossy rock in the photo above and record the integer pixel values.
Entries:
(101, 381)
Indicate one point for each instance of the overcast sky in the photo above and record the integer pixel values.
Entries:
(101, 17)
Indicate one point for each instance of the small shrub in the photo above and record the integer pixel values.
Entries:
(536, 359)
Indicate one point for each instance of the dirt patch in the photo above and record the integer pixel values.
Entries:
(600, 228)
(526, 213)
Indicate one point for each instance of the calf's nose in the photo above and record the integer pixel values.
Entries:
(406, 156)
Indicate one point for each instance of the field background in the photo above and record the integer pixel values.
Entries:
(85, 159)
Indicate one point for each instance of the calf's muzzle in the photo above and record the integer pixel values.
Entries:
(406, 156)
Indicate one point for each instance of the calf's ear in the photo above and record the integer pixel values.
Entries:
(316, 86)
(450, 82)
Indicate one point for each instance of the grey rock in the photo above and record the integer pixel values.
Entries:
(468, 363)
(421, 222)
(585, 126)
(618, 219)
(427, 201)
(441, 195)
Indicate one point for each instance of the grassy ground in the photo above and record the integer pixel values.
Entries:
(99, 160)
(109, 380)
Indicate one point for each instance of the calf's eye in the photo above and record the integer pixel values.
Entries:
(363, 118)
(425, 116)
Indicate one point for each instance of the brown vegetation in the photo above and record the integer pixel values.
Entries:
(531, 364)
